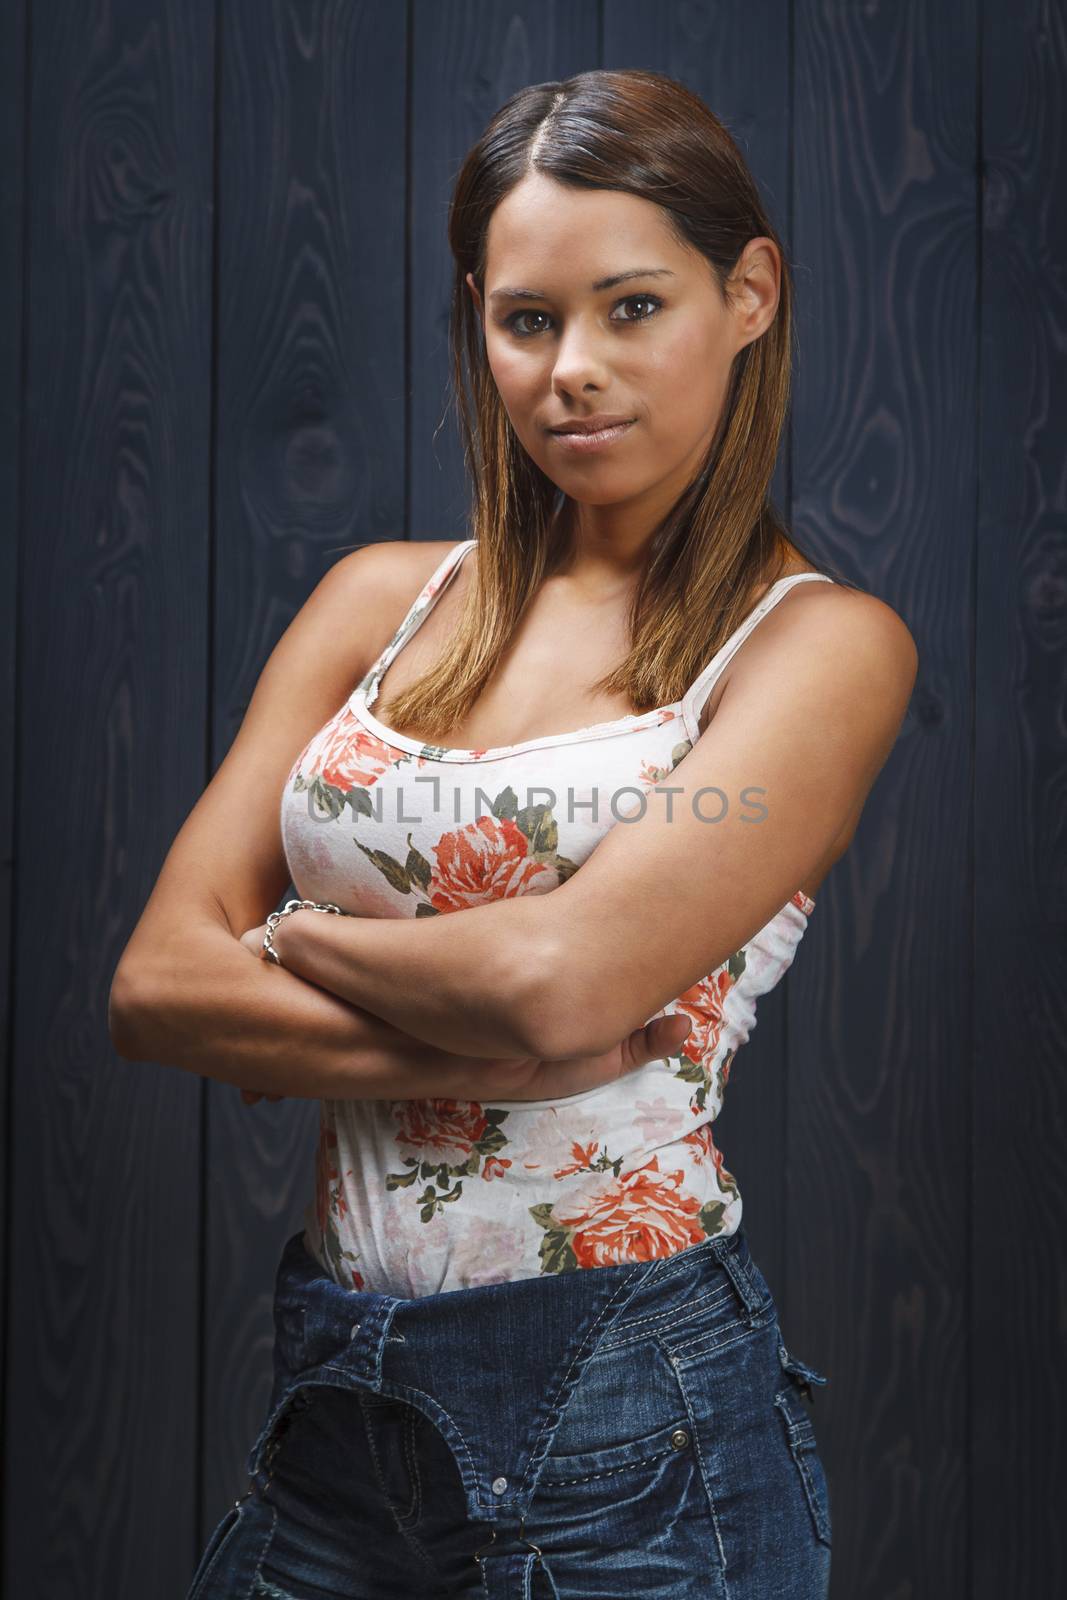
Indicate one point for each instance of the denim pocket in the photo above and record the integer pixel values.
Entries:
(625, 1400)
(395, 1430)
(673, 1439)
(802, 1443)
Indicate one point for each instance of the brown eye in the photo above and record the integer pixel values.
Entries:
(513, 319)
(641, 299)
(653, 300)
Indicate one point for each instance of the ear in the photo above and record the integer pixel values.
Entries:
(755, 283)
(477, 297)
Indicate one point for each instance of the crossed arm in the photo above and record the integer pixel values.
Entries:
(743, 820)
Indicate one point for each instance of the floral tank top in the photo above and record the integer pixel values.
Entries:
(415, 1197)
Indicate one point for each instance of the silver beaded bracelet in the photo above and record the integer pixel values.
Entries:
(269, 952)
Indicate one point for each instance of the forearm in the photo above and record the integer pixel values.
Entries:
(477, 981)
(216, 1010)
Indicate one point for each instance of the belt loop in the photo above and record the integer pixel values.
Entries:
(749, 1293)
(498, 1570)
(499, 1575)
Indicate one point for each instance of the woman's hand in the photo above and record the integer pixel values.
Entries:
(253, 939)
(495, 1080)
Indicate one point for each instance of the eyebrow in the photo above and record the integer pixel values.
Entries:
(601, 283)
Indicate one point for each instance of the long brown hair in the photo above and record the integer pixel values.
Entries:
(647, 135)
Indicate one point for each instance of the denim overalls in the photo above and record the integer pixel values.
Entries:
(636, 1430)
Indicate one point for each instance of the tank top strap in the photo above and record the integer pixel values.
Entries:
(696, 695)
(418, 611)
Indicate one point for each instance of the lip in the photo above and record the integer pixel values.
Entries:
(604, 434)
(593, 424)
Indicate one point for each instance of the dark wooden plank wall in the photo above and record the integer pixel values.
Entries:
(1017, 1127)
(224, 279)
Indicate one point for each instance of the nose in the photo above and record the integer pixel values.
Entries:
(579, 358)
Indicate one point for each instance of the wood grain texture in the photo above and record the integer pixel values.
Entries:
(113, 671)
(310, 375)
(884, 461)
(1018, 1176)
(13, 134)
(225, 277)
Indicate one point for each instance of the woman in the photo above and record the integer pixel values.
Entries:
(522, 1345)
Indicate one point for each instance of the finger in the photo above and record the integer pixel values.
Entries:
(665, 1035)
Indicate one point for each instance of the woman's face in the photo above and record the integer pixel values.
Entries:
(657, 347)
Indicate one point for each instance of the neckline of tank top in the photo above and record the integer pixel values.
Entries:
(359, 703)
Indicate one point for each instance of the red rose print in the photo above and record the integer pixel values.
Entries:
(704, 1146)
(703, 1004)
(441, 1130)
(486, 860)
(584, 1156)
(346, 754)
(635, 1217)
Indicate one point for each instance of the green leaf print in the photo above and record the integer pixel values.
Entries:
(680, 751)
(431, 1201)
(491, 1141)
(722, 1072)
(392, 870)
(711, 1217)
(736, 965)
(556, 1253)
(506, 804)
(399, 1180)
(321, 796)
(539, 826)
(424, 909)
(417, 867)
(360, 802)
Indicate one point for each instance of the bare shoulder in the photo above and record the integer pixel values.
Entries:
(829, 630)
(824, 616)
(391, 566)
(377, 584)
